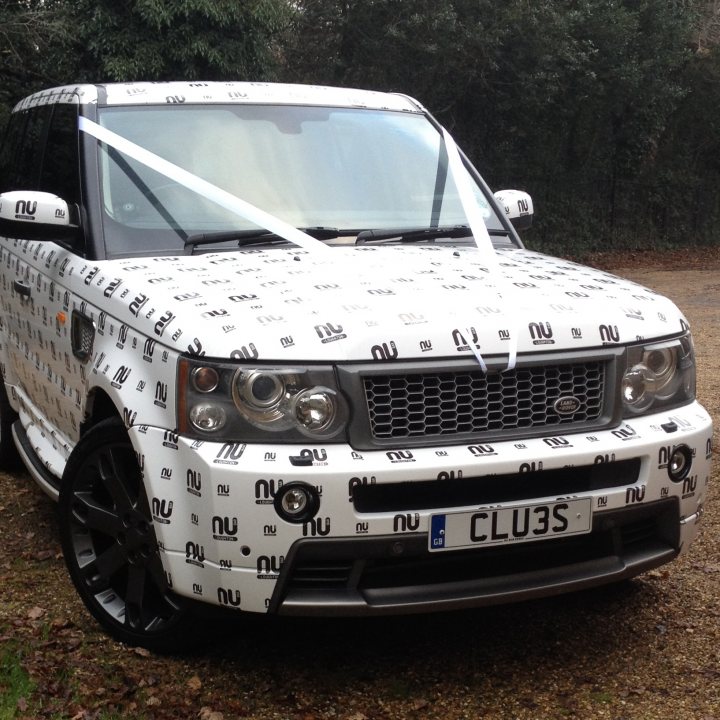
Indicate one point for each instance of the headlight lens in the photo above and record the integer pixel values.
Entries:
(659, 375)
(207, 417)
(315, 409)
(227, 402)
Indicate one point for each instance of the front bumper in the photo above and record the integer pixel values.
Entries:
(366, 551)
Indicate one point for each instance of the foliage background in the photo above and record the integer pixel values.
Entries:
(604, 110)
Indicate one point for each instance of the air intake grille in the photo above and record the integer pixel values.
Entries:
(452, 403)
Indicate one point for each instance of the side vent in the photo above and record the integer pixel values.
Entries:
(82, 333)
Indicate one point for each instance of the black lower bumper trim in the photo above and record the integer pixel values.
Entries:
(397, 574)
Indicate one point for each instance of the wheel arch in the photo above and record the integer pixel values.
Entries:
(100, 406)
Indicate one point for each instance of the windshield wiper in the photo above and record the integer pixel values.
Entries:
(255, 237)
(413, 234)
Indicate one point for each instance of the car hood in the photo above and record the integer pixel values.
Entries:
(380, 303)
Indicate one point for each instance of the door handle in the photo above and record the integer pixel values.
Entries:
(21, 288)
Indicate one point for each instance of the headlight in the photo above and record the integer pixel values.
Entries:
(658, 375)
(231, 402)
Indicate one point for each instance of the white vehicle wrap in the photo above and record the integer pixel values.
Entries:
(457, 328)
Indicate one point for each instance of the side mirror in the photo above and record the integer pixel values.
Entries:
(518, 206)
(35, 215)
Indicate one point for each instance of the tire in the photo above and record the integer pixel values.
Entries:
(9, 457)
(110, 547)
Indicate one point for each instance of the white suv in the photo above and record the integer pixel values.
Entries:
(279, 349)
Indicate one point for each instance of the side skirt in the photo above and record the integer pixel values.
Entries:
(49, 483)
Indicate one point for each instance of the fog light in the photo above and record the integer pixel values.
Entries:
(297, 502)
(680, 463)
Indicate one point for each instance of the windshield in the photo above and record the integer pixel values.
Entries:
(346, 168)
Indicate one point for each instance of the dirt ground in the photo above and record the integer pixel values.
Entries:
(649, 648)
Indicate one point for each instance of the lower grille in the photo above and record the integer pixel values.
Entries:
(635, 534)
(326, 575)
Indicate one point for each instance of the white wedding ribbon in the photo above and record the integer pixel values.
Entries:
(473, 213)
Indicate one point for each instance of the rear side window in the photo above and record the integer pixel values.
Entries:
(40, 152)
(60, 166)
(10, 149)
(22, 152)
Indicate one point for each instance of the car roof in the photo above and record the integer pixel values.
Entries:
(152, 93)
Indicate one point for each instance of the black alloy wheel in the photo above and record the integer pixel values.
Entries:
(110, 546)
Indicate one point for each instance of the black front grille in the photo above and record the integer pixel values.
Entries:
(469, 402)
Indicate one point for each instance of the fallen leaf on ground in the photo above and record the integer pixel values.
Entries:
(207, 713)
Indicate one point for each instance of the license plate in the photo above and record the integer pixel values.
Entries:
(510, 524)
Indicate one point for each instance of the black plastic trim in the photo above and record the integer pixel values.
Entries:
(350, 380)
(384, 575)
(82, 335)
(485, 490)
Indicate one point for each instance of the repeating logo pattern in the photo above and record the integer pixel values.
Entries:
(212, 503)
(283, 313)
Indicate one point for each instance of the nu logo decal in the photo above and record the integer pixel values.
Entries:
(609, 333)
(316, 526)
(25, 210)
(269, 565)
(224, 528)
(265, 491)
(329, 332)
(162, 510)
(194, 553)
(384, 352)
(400, 456)
(405, 522)
(634, 494)
(120, 377)
(541, 333)
(226, 597)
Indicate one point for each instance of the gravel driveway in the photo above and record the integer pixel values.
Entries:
(648, 648)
